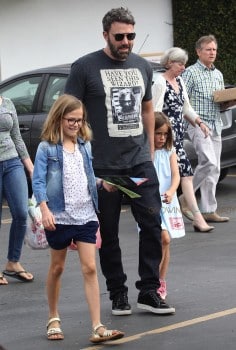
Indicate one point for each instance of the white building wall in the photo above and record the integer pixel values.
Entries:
(39, 33)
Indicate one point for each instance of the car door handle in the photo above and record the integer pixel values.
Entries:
(24, 128)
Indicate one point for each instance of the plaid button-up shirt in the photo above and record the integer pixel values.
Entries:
(200, 83)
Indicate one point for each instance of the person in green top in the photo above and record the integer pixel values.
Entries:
(13, 187)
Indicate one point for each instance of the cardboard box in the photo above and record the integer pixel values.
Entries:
(224, 95)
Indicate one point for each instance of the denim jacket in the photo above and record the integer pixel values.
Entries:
(47, 180)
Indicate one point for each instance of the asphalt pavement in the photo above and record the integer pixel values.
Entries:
(201, 286)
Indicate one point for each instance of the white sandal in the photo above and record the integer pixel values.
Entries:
(108, 334)
(54, 330)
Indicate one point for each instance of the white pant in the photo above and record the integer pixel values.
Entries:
(207, 172)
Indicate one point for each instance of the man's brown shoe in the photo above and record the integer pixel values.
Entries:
(214, 217)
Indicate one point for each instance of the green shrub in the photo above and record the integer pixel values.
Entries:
(192, 19)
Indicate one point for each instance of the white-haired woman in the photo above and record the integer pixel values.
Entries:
(170, 96)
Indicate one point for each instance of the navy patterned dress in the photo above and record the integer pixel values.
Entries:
(173, 109)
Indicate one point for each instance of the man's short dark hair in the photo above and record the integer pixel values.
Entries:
(119, 14)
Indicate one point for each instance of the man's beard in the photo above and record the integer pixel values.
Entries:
(121, 56)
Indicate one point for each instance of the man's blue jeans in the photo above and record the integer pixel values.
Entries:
(13, 187)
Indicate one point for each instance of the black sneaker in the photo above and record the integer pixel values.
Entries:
(151, 301)
(120, 305)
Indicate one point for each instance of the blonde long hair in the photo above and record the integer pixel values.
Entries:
(52, 127)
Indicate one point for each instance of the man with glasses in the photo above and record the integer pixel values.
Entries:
(115, 86)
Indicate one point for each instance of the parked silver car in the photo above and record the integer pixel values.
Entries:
(34, 92)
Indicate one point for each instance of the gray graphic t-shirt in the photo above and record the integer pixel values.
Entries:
(112, 92)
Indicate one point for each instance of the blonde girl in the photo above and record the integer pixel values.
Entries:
(64, 186)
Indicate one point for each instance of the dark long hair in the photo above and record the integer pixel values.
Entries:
(160, 120)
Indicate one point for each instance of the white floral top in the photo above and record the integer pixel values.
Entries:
(79, 207)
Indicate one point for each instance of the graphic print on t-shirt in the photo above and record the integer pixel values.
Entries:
(124, 92)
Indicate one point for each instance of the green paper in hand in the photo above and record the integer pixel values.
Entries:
(129, 193)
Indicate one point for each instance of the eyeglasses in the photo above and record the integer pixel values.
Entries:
(72, 121)
(120, 37)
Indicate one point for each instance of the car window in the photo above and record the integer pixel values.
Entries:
(55, 88)
(22, 93)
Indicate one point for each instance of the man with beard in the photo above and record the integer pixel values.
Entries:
(123, 144)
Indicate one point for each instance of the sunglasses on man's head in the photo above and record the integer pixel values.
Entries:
(120, 37)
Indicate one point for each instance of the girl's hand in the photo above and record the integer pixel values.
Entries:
(167, 197)
(48, 219)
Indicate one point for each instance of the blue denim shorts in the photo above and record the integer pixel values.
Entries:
(65, 234)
